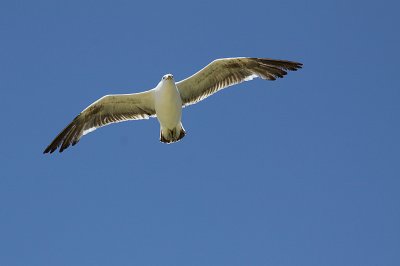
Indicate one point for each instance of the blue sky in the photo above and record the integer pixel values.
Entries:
(301, 171)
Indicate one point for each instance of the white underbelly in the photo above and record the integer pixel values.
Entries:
(168, 105)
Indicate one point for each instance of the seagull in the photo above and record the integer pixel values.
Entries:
(166, 100)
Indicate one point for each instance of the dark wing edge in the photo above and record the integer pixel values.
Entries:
(107, 110)
(222, 73)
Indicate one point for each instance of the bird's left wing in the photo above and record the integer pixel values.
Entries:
(108, 109)
(222, 73)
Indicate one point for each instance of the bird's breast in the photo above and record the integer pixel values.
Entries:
(168, 105)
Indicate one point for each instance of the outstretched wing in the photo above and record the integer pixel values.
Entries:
(222, 73)
(108, 109)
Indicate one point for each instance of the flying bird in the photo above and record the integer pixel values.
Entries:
(167, 99)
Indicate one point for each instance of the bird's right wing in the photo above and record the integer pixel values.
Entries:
(222, 73)
(108, 109)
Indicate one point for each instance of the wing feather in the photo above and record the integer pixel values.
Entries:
(222, 73)
(107, 110)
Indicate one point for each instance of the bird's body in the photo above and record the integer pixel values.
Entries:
(168, 106)
(168, 98)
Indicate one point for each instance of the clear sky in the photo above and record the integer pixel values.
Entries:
(304, 170)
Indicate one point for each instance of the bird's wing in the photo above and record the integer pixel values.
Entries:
(108, 109)
(222, 73)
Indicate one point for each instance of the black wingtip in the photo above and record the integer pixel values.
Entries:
(298, 66)
(70, 134)
(47, 150)
(285, 64)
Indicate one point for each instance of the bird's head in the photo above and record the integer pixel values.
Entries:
(167, 77)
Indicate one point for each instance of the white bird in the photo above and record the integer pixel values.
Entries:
(167, 99)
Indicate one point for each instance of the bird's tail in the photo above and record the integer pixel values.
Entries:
(172, 135)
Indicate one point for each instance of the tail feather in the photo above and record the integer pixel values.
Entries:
(172, 135)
